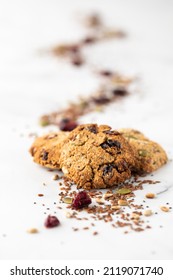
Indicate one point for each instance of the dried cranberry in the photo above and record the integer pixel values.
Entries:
(111, 143)
(93, 129)
(106, 73)
(89, 40)
(67, 125)
(51, 222)
(119, 92)
(77, 61)
(45, 155)
(111, 132)
(82, 199)
(74, 48)
(107, 169)
(101, 100)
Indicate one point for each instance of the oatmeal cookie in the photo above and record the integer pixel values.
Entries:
(150, 156)
(46, 150)
(130, 133)
(96, 157)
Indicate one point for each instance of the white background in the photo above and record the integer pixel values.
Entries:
(32, 83)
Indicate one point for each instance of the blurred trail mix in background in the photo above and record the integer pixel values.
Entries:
(97, 31)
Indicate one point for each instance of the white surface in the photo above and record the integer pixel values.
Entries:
(33, 84)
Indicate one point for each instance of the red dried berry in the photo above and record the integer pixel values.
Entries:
(82, 199)
(77, 60)
(89, 40)
(106, 73)
(101, 100)
(67, 125)
(51, 222)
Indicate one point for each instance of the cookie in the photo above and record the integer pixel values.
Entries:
(96, 157)
(46, 150)
(130, 133)
(150, 156)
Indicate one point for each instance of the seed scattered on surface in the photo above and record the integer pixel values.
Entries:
(116, 207)
(44, 121)
(32, 230)
(150, 195)
(107, 195)
(148, 213)
(164, 209)
(122, 202)
(95, 233)
(40, 194)
(68, 215)
(124, 191)
(99, 200)
(135, 216)
(67, 200)
(55, 177)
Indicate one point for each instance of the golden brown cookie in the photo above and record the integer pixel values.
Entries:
(46, 150)
(130, 133)
(149, 155)
(96, 157)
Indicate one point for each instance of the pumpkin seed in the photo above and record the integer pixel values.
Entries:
(124, 191)
(142, 153)
(67, 200)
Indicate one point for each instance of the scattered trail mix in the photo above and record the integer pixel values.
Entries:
(114, 88)
(97, 32)
(115, 206)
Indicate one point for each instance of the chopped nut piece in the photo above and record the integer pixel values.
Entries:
(32, 230)
(135, 216)
(56, 177)
(99, 200)
(150, 195)
(148, 213)
(68, 215)
(164, 209)
(122, 202)
(107, 195)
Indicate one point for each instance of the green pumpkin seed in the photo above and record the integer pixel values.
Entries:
(142, 153)
(124, 191)
(67, 200)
